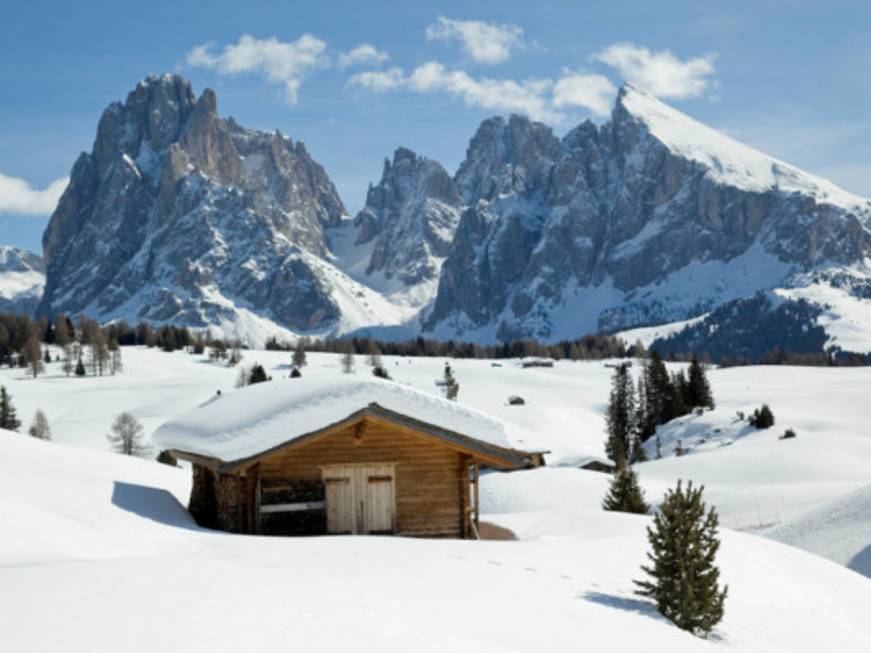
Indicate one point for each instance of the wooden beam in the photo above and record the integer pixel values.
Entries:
(292, 507)
(258, 524)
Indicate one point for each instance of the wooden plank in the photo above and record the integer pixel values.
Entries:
(292, 507)
(476, 477)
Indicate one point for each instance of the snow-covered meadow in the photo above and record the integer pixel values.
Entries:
(99, 545)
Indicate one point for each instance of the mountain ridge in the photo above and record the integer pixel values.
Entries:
(651, 217)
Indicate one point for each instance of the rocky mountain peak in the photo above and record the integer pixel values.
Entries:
(178, 215)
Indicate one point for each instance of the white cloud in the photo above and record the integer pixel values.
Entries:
(379, 81)
(593, 92)
(365, 53)
(528, 96)
(16, 196)
(660, 73)
(286, 63)
(484, 42)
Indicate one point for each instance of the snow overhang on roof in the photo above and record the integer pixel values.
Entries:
(245, 423)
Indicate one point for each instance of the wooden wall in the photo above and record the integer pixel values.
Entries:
(429, 479)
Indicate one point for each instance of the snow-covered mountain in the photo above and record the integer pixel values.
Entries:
(22, 278)
(650, 218)
(178, 215)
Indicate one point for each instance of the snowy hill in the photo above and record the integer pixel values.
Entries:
(99, 546)
(759, 483)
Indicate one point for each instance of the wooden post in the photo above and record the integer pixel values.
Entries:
(476, 495)
(258, 528)
(465, 497)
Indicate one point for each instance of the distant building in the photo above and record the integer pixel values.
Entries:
(338, 455)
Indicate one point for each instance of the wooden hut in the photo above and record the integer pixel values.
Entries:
(340, 455)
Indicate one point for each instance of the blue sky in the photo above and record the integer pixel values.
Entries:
(354, 80)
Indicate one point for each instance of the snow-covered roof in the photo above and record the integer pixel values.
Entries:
(249, 421)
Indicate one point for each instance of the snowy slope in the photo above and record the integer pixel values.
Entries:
(99, 547)
(757, 481)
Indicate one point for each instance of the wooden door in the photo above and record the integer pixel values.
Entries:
(360, 499)
(340, 500)
(377, 485)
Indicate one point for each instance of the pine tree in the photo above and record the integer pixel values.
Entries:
(39, 428)
(8, 417)
(620, 418)
(380, 372)
(127, 436)
(624, 494)
(257, 375)
(699, 389)
(46, 357)
(299, 353)
(679, 396)
(683, 576)
(637, 455)
(80, 367)
(452, 388)
(761, 418)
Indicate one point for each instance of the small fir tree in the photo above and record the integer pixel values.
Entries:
(257, 375)
(127, 436)
(380, 372)
(620, 416)
(46, 356)
(80, 367)
(762, 418)
(8, 416)
(452, 388)
(39, 428)
(625, 494)
(684, 579)
(295, 373)
(699, 388)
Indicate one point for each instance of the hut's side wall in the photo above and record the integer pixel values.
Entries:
(429, 480)
(202, 505)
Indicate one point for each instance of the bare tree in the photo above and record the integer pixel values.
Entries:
(127, 436)
(348, 359)
(299, 352)
(39, 427)
(33, 356)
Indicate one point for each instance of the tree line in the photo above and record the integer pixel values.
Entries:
(636, 409)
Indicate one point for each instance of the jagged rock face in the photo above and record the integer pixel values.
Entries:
(605, 228)
(22, 277)
(180, 216)
(412, 215)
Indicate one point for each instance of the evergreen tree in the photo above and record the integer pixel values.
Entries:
(295, 373)
(620, 417)
(699, 389)
(8, 417)
(39, 428)
(452, 388)
(679, 396)
(762, 418)
(127, 436)
(683, 576)
(299, 353)
(46, 358)
(637, 454)
(624, 494)
(80, 367)
(380, 372)
(257, 375)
